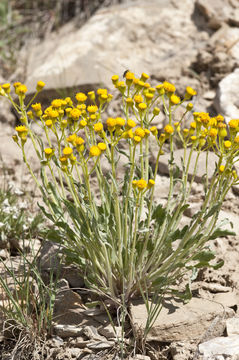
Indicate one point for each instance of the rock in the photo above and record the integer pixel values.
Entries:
(67, 330)
(220, 346)
(101, 345)
(229, 299)
(109, 332)
(139, 357)
(182, 350)
(226, 101)
(217, 12)
(201, 168)
(233, 224)
(49, 258)
(179, 322)
(232, 326)
(141, 37)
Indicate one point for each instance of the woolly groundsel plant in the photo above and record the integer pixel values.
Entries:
(124, 243)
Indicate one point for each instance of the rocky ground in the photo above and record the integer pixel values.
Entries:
(195, 43)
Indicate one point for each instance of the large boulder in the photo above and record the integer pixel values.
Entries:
(158, 37)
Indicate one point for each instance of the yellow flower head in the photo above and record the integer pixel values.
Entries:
(120, 121)
(129, 102)
(140, 132)
(168, 87)
(213, 133)
(83, 123)
(138, 99)
(160, 89)
(169, 129)
(142, 106)
(144, 77)
(154, 130)
(149, 97)
(75, 114)
(151, 183)
(48, 152)
(21, 129)
(129, 76)
(21, 90)
(81, 97)
(227, 144)
(137, 139)
(141, 184)
(102, 91)
(98, 127)
(63, 160)
(57, 103)
(92, 109)
(189, 106)
(40, 85)
(221, 168)
(219, 118)
(190, 92)
(7, 87)
(36, 107)
(131, 124)
(111, 123)
(67, 151)
(71, 138)
(102, 146)
(233, 124)
(175, 99)
(49, 123)
(95, 151)
(114, 79)
(156, 111)
(91, 95)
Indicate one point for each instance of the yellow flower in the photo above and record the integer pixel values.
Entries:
(142, 106)
(95, 151)
(193, 125)
(81, 97)
(71, 138)
(63, 160)
(111, 123)
(175, 99)
(189, 106)
(138, 99)
(190, 92)
(151, 183)
(160, 89)
(114, 79)
(21, 90)
(233, 124)
(147, 132)
(131, 124)
(40, 85)
(129, 102)
(7, 88)
(92, 109)
(102, 91)
(185, 132)
(154, 130)
(91, 95)
(75, 114)
(149, 97)
(227, 144)
(221, 168)
(48, 152)
(98, 127)
(140, 132)
(36, 107)
(156, 111)
(120, 121)
(169, 129)
(219, 118)
(129, 76)
(57, 103)
(21, 130)
(79, 143)
(137, 139)
(222, 131)
(141, 184)
(144, 77)
(170, 88)
(49, 123)
(213, 133)
(102, 146)
(67, 151)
